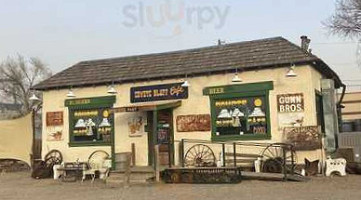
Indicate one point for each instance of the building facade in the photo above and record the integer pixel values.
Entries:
(154, 106)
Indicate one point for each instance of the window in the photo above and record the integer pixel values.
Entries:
(91, 125)
(240, 112)
(240, 116)
(319, 111)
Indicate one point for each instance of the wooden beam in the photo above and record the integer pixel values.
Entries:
(351, 101)
(351, 113)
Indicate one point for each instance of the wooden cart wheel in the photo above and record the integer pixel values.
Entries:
(54, 157)
(200, 155)
(274, 158)
(97, 158)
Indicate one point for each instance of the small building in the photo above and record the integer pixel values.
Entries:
(267, 90)
(351, 112)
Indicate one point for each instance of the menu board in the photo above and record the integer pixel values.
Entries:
(240, 116)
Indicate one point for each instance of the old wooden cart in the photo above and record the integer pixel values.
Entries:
(222, 162)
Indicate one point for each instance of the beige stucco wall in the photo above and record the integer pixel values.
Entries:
(306, 82)
(16, 138)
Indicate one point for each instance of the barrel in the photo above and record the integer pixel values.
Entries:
(122, 161)
(347, 126)
(357, 125)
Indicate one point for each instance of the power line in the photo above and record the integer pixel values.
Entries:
(333, 43)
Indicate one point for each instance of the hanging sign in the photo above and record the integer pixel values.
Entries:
(158, 92)
(290, 103)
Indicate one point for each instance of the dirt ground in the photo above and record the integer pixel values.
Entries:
(20, 186)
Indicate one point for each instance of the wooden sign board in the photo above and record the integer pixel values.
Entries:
(158, 92)
(290, 103)
(190, 123)
(54, 118)
(303, 137)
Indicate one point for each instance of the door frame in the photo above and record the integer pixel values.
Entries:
(152, 118)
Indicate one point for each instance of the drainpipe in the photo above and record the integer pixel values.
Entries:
(340, 106)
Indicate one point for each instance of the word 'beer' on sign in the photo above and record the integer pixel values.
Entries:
(290, 103)
(158, 92)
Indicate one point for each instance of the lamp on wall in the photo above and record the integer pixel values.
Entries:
(111, 89)
(70, 93)
(186, 83)
(236, 78)
(291, 71)
(34, 97)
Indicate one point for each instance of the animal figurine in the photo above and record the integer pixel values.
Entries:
(311, 168)
(335, 166)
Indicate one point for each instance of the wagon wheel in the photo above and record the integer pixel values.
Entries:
(54, 157)
(200, 155)
(274, 160)
(97, 158)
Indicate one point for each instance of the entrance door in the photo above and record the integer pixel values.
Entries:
(160, 131)
(165, 136)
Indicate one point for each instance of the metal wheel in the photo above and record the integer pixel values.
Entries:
(54, 157)
(97, 158)
(200, 155)
(275, 160)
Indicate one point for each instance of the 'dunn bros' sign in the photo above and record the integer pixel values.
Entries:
(158, 92)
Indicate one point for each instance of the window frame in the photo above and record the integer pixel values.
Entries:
(236, 91)
(72, 122)
(91, 103)
(320, 117)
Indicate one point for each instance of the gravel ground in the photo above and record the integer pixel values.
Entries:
(21, 186)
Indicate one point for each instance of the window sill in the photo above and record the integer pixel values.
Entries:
(240, 137)
(86, 144)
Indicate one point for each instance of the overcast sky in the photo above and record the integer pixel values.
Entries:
(65, 32)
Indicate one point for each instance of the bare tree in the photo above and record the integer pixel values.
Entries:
(346, 21)
(17, 76)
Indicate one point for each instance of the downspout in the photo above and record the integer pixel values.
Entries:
(340, 106)
(342, 95)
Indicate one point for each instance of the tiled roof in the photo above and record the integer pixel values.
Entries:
(249, 55)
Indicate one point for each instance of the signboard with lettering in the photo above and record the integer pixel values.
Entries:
(189, 123)
(303, 137)
(54, 118)
(101, 101)
(290, 103)
(158, 92)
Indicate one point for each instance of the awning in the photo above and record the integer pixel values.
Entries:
(147, 107)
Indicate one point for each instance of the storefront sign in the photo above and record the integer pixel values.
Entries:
(189, 123)
(158, 92)
(125, 109)
(304, 138)
(54, 118)
(290, 103)
(101, 101)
